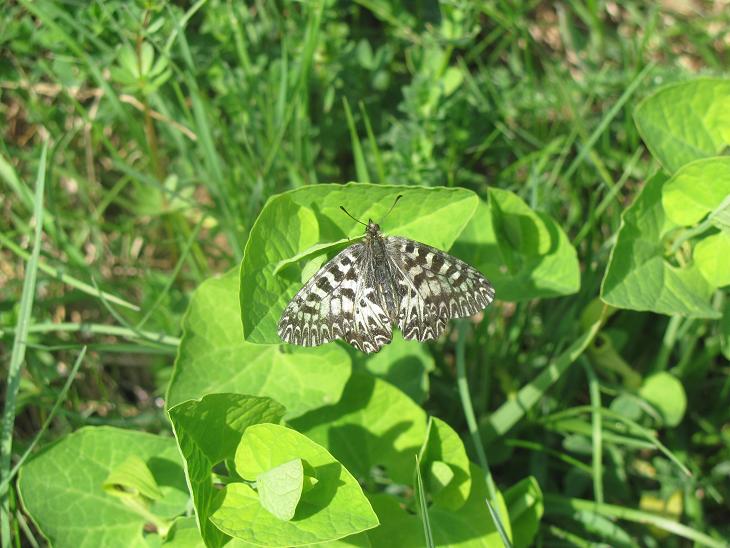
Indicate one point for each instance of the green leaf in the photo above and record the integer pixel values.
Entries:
(711, 256)
(665, 392)
(638, 277)
(525, 506)
(373, 424)
(132, 478)
(440, 476)
(525, 254)
(208, 432)
(444, 446)
(184, 534)
(470, 525)
(280, 488)
(684, 122)
(404, 364)
(213, 357)
(295, 221)
(696, 190)
(62, 487)
(336, 507)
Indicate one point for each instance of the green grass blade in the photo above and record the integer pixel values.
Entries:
(59, 400)
(556, 504)
(609, 116)
(422, 506)
(498, 524)
(120, 319)
(374, 149)
(632, 427)
(65, 278)
(7, 173)
(100, 329)
(513, 410)
(173, 275)
(594, 389)
(361, 168)
(18, 353)
(471, 421)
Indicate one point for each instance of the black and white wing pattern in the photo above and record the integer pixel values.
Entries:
(339, 302)
(433, 287)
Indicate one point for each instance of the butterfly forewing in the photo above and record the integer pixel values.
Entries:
(365, 289)
(433, 287)
(339, 302)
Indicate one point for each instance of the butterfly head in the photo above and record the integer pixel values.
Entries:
(373, 229)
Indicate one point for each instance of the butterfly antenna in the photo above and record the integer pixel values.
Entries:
(391, 207)
(351, 217)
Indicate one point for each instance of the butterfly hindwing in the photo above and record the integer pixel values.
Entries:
(433, 287)
(338, 303)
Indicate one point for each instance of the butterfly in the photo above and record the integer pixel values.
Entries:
(379, 282)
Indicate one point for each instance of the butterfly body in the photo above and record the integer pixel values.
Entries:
(379, 282)
(384, 282)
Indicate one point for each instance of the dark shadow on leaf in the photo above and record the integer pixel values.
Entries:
(319, 497)
(352, 444)
(168, 473)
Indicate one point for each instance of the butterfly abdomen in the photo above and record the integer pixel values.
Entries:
(384, 279)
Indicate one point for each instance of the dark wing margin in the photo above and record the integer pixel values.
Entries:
(336, 303)
(433, 288)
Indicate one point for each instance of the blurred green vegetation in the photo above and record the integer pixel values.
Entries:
(170, 125)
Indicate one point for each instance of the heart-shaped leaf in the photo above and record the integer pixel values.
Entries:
(296, 222)
(525, 254)
(208, 432)
(684, 122)
(62, 487)
(334, 508)
(213, 357)
(638, 277)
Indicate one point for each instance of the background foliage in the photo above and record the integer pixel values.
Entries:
(168, 130)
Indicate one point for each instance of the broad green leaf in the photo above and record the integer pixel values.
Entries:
(638, 277)
(445, 446)
(525, 507)
(295, 222)
(696, 190)
(335, 508)
(62, 488)
(712, 255)
(404, 364)
(213, 357)
(132, 478)
(665, 392)
(525, 254)
(373, 424)
(185, 534)
(684, 122)
(470, 525)
(280, 488)
(208, 432)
